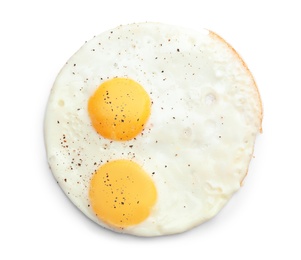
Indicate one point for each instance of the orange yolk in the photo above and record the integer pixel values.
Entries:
(121, 193)
(119, 109)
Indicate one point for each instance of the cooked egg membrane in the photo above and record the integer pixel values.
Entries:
(197, 142)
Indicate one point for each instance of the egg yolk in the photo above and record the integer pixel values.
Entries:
(121, 193)
(119, 109)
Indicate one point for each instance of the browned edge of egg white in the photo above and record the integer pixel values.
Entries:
(219, 38)
(260, 115)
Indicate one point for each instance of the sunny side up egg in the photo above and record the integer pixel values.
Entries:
(150, 128)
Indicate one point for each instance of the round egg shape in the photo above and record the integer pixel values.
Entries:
(154, 121)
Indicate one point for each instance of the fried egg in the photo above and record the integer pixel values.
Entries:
(150, 128)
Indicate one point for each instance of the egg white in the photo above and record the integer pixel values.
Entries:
(198, 141)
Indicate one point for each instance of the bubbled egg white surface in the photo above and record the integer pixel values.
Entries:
(198, 141)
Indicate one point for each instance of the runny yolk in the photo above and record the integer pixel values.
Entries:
(119, 109)
(121, 193)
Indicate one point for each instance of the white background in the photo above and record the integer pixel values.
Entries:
(37, 221)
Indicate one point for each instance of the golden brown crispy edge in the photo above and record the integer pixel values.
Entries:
(219, 38)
